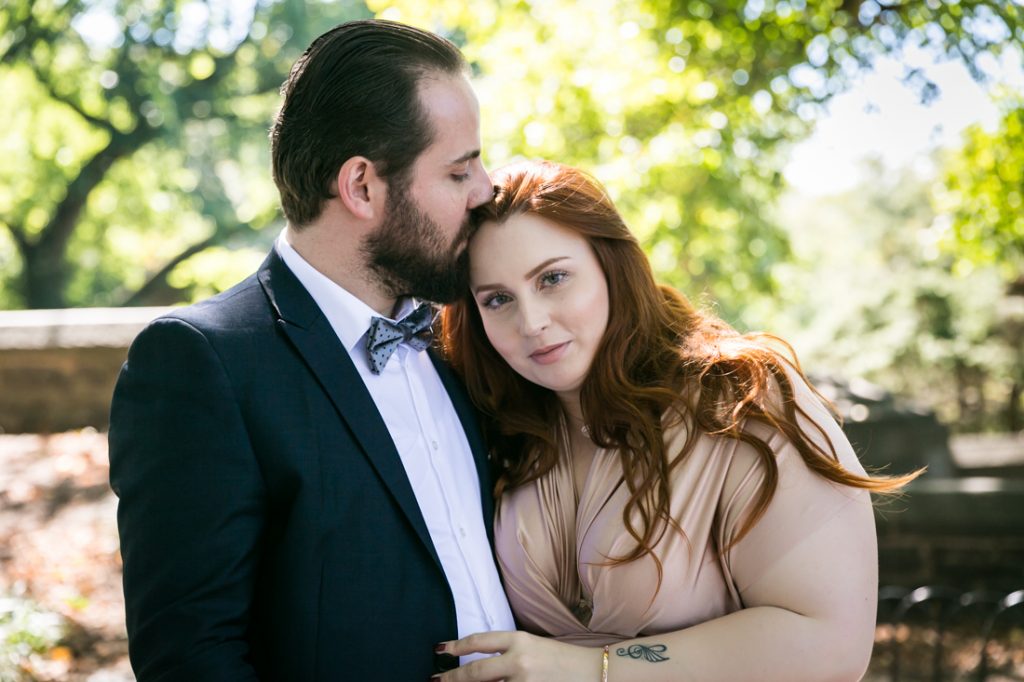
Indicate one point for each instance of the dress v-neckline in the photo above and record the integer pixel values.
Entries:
(583, 609)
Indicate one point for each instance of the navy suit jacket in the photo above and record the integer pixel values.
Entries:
(268, 529)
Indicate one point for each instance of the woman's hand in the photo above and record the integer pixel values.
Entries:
(523, 658)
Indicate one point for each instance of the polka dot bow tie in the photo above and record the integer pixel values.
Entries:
(385, 336)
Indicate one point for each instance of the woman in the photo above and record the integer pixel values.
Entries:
(676, 503)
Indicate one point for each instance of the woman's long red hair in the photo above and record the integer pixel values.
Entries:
(659, 353)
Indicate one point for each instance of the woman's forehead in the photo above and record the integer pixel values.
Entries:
(515, 247)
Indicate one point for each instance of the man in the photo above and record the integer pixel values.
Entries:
(303, 494)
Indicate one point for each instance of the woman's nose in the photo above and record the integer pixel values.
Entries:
(533, 318)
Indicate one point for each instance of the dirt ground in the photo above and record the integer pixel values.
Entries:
(61, 608)
(59, 555)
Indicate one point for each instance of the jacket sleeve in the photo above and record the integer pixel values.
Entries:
(191, 508)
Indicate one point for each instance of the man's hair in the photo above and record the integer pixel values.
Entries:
(354, 93)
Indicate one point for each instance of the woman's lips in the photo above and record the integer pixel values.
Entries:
(549, 354)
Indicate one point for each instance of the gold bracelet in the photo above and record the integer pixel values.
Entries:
(604, 664)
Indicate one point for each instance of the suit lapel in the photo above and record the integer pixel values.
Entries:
(301, 321)
(469, 418)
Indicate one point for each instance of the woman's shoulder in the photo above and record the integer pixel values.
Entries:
(768, 401)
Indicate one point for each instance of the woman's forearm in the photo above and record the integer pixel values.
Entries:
(758, 644)
(763, 643)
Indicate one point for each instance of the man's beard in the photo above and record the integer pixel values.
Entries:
(409, 255)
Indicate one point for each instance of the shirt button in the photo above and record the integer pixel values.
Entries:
(433, 444)
(462, 531)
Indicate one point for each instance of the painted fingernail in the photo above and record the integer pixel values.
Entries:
(439, 649)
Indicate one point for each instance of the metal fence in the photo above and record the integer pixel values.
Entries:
(940, 633)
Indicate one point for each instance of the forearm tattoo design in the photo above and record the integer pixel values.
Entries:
(651, 654)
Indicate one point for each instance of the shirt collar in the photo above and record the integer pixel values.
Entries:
(348, 315)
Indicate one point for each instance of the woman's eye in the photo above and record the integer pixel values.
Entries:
(495, 301)
(553, 278)
(461, 177)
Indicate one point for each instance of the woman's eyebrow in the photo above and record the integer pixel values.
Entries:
(533, 273)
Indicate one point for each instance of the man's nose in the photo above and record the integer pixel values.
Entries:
(483, 190)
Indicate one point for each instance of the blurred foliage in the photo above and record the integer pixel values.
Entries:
(136, 166)
(135, 139)
(25, 630)
(136, 135)
(685, 108)
(872, 292)
(983, 195)
(980, 200)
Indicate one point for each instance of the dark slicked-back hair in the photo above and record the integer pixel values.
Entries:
(354, 93)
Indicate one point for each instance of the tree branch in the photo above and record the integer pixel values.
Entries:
(44, 78)
(217, 206)
(58, 230)
(159, 278)
(30, 32)
(18, 235)
(33, 31)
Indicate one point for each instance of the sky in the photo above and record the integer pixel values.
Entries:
(881, 117)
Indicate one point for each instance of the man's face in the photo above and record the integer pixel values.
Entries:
(418, 247)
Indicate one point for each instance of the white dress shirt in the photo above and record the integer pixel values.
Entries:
(429, 438)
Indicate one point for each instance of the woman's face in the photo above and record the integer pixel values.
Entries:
(543, 299)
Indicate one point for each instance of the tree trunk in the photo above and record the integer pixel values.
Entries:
(157, 289)
(45, 271)
(44, 277)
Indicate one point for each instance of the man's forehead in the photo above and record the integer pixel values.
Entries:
(452, 110)
(447, 96)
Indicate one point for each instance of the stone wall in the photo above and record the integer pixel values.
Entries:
(58, 367)
(962, 532)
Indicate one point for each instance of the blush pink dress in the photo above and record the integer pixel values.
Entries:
(551, 545)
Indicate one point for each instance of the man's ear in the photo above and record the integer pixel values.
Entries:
(360, 189)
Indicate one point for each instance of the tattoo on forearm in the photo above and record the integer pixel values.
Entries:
(651, 654)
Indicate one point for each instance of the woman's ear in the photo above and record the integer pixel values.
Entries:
(360, 189)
